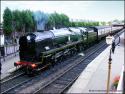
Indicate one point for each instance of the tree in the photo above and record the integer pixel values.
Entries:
(96, 23)
(58, 20)
(64, 20)
(17, 20)
(80, 24)
(29, 21)
(7, 21)
(51, 22)
(54, 20)
(109, 23)
(23, 21)
(123, 21)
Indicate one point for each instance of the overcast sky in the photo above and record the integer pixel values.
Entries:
(86, 10)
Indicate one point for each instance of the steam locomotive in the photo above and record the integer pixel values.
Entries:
(39, 50)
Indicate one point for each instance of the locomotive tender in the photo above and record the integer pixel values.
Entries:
(38, 50)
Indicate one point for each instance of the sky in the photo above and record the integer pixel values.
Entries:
(86, 10)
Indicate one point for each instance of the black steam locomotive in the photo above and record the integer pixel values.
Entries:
(38, 50)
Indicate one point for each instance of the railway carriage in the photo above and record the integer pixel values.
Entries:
(103, 31)
(38, 50)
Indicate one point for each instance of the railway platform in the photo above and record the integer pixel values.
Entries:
(8, 66)
(94, 78)
(7, 62)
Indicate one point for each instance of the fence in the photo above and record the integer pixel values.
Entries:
(10, 50)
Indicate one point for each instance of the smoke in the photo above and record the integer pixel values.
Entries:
(41, 19)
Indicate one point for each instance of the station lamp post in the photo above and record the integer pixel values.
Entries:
(110, 41)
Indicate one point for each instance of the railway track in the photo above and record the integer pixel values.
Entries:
(60, 82)
(13, 82)
(48, 74)
(11, 75)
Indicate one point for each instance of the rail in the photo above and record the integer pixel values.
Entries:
(58, 85)
(49, 87)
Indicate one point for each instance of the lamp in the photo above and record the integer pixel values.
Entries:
(111, 41)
